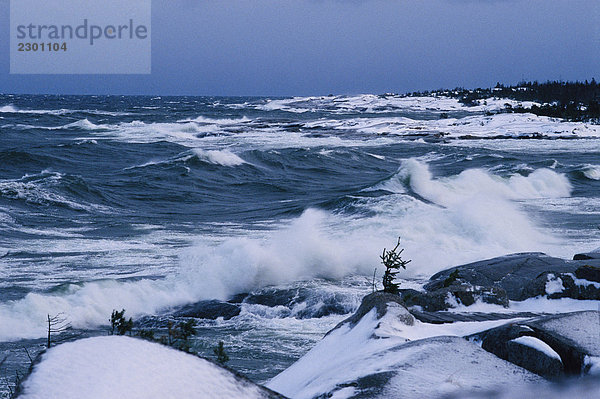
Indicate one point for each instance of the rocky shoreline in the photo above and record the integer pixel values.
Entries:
(428, 343)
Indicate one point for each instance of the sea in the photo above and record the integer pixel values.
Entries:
(149, 204)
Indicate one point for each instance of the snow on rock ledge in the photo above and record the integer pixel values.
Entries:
(123, 367)
(368, 355)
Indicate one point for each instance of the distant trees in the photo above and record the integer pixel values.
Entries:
(577, 101)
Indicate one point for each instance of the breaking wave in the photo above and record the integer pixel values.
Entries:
(320, 244)
(592, 172)
(413, 174)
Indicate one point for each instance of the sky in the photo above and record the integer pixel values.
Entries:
(319, 47)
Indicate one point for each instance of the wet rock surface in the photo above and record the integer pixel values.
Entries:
(211, 310)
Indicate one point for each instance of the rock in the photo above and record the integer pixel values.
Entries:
(571, 337)
(587, 387)
(447, 297)
(427, 368)
(316, 310)
(452, 317)
(562, 285)
(521, 275)
(365, 356)
(587, 272)
(276, 297)
(211, 310)
(303, 302)
(380, 301)
(535, 355)
(595, 254)
(125, 367)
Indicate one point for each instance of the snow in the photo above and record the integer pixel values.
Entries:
(583, 283)
(538, 345)
(472, 126)
(539, 305)
(422, 368)
(576, 327)
(123, 367)
(593, 362)
(554, 285)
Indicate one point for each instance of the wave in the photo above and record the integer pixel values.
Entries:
(83, 124)
(219, 157)
(43, 189)
(317, 244)
(11, 109)
(216, 121)
(14, 110)
(471, 183)
(592, 172)
(215, 157)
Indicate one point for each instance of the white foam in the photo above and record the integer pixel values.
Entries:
(216, 121)
(591, 171)
(12, 109)
(219, 157)
(38, 189)
(541, 183)
(8, 108)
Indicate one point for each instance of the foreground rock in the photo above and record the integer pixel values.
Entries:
(123, 367)
(551, 346)
(574, 388)
(512, 277)
(365, 357)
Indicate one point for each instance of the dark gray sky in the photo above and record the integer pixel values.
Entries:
(306, 47)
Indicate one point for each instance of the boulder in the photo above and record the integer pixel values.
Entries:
(595, 254)
(212, 310)
(587, 272)
(535, 355)
(303, 302)
(381, 302)
(125, 367)
(365, 356)
(563, 285)
(587, 387)
(551, 346)
(454, 294)
(521, 275)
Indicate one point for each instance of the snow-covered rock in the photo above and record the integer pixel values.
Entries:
(573, 388)
(535, 355)
(123, 367)
(370, 355)
(551, 346)
(520, 276)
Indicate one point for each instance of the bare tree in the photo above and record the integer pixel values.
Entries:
(56, 325)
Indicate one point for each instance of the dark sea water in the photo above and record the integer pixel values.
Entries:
(148, 204)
